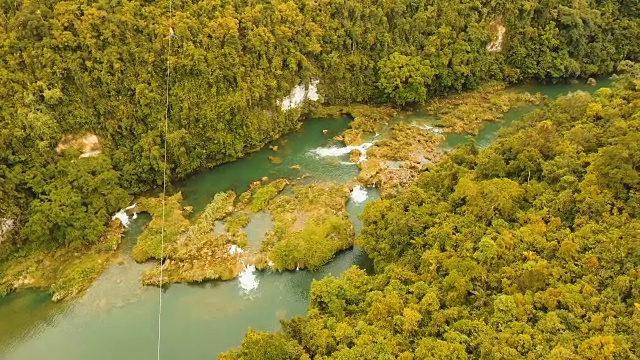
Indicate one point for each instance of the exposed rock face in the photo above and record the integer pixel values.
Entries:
(88, 143)
(299, 94)
(6, 225)
(496, 45)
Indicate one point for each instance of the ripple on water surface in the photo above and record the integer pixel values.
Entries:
(117, 318)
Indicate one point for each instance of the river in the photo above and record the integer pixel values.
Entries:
(117, 317)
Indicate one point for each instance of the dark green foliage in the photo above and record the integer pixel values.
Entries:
(74, 197)
(75, 66)
(314, 245)
(529, 249)
(264, 194)
(266, 346)
(405, 79)
(309, 227)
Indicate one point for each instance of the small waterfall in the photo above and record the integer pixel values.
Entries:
(359, 194)
(123, 217)
(341, 151)
(235, 249)
(248, 279)
(299, 94)
(434, 129)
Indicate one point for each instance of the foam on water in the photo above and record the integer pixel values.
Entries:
(341, 151)
(235, 249)
(122, 216)
(358, 194)
(434, 129)
(248, 279)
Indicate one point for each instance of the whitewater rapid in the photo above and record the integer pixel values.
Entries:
(359, 194)
(341, 151)
(434, 129)
(248, 279)
(123, 217)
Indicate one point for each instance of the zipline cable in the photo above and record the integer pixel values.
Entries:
(164, 179)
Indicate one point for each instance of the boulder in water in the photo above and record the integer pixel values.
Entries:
(325, 131)
(592, 82)
(352, 137)
(354, 155)
(275, 160)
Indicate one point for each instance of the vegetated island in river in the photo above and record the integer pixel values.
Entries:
(528, 249)
(82, 93)
(309, 228)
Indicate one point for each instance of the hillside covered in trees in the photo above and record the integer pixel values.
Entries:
(93, 73)
(529, 249)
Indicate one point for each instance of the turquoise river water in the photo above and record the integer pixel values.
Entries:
(117, 317)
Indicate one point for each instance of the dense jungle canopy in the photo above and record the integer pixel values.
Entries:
(82, 67)
(529, 249)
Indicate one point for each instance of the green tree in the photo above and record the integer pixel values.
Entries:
(405, 79)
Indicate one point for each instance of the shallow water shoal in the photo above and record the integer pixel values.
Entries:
(117, 318)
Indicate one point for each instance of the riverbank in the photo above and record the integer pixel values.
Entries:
(310, 224)
(65, 273)
(388, 147)
(306, 228)
(391, 154)
(203, 319)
